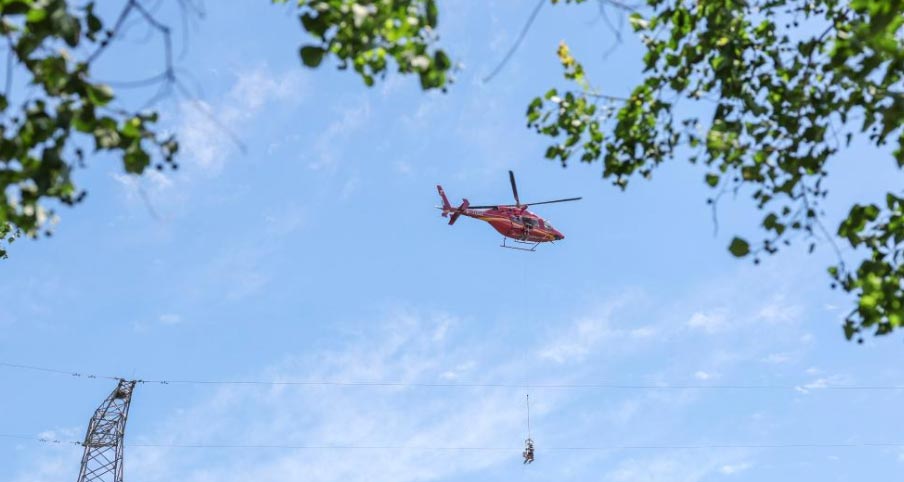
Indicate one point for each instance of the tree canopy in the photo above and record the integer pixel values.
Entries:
(786, 85)
(784, 102)
(44, 137)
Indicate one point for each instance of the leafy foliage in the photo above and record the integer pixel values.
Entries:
(782, 99)
(44, 136)
(787, 85)
(368, 34)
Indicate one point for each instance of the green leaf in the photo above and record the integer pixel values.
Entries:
(441, 60)
(311, 55)
(99, 94)
(432, 13)
(35, 15)
(136, 160)
(739, 247)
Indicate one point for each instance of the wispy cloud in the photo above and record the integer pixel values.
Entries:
(407, 348)
(329, 144)
(708, 322)
(777, 310)
(777, 358)
(731, 469)
(589, 332)
(702, 375)
(677, 467)
(170, 319)
(207, 129)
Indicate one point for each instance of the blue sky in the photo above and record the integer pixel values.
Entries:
(317, 254)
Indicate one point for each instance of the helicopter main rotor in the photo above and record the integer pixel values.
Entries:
(518, 201)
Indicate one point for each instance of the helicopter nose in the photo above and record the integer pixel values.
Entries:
(559, 236)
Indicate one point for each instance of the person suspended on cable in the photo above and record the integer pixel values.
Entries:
(528, 451)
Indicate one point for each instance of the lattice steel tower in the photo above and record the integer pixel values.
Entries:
(102, 461)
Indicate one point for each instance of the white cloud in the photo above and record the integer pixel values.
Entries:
(686, 466)
(329, 144)
(284, 220)
(403, 167)
(349, 188)
(170, 319)
(407, 349)
(777, 311)
(777, 358)
(583, 336)
(209, 134)
(643, 332)
(731, 469)
(589, 332)
(258, 86)
(57, 459)
(207, 130)
(701, 375)
(821, 382)
(460, 370)
(151, 186)
(710, 322)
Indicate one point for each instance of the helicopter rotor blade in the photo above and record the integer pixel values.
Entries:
(514, 188)
(555, 201)
(493, 206)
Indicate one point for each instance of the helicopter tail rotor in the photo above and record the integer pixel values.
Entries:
(447, 208)
(457, 213)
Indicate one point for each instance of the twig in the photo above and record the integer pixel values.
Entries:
(621, 5)
(202, 108)
(615, 30)
(524, 30)
(597, 95)
(116, 28)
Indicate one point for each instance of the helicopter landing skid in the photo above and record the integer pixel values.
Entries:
(533, 246)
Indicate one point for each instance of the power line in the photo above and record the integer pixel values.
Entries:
(684, 446)
(512, 385)
(53, 370)
(43, 440)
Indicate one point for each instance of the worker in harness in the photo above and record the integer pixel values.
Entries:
(528, 451)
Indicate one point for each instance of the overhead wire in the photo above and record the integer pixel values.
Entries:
(512, 385)
(614, 447)
(683, 446)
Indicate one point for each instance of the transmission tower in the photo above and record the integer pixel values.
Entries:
(102, 460)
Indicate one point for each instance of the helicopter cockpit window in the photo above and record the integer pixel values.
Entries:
(548, 225)
(530, 222)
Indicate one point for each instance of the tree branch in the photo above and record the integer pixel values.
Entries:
(524, 30)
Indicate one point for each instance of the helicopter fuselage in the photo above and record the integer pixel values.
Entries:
(517, 223)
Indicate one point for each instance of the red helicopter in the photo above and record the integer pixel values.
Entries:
(511, 220)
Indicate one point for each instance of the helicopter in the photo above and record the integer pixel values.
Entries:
(513, 221)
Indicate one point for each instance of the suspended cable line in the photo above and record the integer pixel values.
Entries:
(286, 446)
(527, 385)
